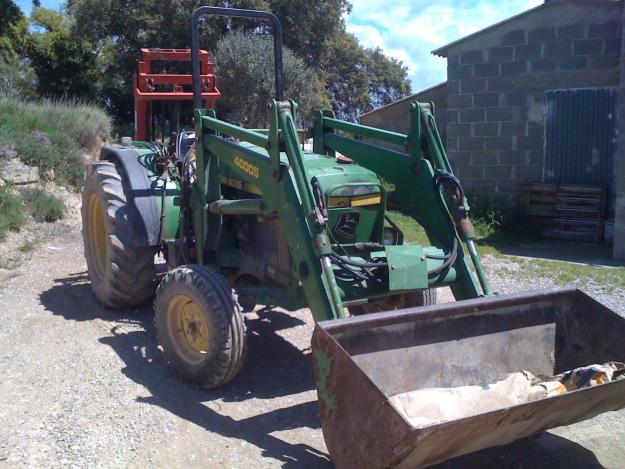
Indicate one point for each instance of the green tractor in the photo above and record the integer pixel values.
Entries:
(246, 217)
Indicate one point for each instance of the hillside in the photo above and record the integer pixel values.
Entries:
(43, 148)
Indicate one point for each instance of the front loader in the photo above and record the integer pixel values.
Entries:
(246, 217)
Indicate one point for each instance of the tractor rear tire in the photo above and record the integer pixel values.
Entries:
(405, 300)
(121, 270)
(200, 326)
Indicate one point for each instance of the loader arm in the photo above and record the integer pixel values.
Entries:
(412, 168)
(299, 189)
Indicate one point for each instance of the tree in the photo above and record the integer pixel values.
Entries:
(359, 79)
(388, 78)
(64, 63)
(119, 29)
(13, 31)
(245, 68)
(16, 76)
(309, 25)
(355, 79)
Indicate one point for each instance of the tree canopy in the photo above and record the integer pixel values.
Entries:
(89, 50)
(245, 66)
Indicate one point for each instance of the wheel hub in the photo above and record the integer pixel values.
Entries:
(97, 235)
(191, 329)
(194, 327)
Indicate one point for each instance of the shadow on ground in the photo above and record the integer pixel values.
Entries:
(274, 368)
(582, 253)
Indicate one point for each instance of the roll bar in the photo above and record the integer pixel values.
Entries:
(239, 13)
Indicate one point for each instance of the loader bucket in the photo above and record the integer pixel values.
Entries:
(361, 362)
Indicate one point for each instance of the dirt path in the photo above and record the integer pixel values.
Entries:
(84, 386)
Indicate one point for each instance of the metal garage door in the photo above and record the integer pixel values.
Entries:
(581, 135)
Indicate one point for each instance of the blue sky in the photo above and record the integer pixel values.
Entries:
(26, 5)
(410, 29)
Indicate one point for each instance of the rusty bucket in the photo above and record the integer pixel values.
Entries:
(361, 362)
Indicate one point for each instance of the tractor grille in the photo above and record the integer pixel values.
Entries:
(264, 240)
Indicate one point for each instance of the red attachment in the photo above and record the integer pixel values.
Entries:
(146, 82)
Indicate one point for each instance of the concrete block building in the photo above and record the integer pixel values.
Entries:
(534, 98)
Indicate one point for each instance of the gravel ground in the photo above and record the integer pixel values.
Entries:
(85, 386)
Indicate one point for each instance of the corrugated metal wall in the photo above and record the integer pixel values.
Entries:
(581, 132)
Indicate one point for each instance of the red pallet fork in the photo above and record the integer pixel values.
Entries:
(151, 86)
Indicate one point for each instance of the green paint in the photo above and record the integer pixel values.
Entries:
(324, 362)
(275, 177)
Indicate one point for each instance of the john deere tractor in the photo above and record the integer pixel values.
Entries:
(246, 217)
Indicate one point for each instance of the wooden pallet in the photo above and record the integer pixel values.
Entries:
(568, 212)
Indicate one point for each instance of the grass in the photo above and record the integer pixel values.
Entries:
(47, 134)
(27, 246)
(493, 235)
(15, 205)
(11, 216)
(490, 234)
(42, 206)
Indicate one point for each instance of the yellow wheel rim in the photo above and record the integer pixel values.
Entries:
(191, 332)
(97, 235)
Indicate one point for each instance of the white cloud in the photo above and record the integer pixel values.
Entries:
(410, 29)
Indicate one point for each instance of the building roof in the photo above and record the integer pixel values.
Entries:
(401, 100)
(442, 51)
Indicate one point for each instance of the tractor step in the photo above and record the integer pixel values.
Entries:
(364, 364)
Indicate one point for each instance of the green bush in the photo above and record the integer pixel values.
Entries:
(11, 217)
(42, 206)
(47, 134)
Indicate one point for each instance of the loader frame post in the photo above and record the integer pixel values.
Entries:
(254, 164)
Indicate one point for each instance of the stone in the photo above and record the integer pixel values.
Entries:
(459, 72)
(486, 70)
(512, 128)
(7, 151)
(14, 171)
(527, 52)
(605, 30)
(472, 115)
(458, 130)
(471, 143)
(487, 129)
(573, 63)
(500, 54)
(603, 61)
(485, 99)
(485, 157)
(497, 114)
(516, 36)
(498, 172)
(472, 57)
(498, 143)
(541, 34)
(515, 98)
(513, 68)
(544, 65)
(587, 46)
(40, 139)
(573, 31)
(500, 84)
(473, 85)
(459, 101)
(558, 49)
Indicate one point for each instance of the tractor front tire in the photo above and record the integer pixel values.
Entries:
(120, 269)
(404, 300)
(200, 326)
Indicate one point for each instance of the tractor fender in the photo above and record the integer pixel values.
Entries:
(144, 196)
